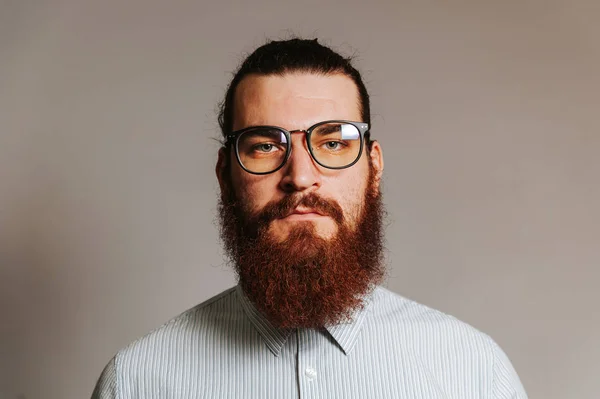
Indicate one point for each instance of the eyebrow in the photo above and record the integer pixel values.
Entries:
(330, 128)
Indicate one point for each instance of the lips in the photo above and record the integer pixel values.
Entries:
(305, 211)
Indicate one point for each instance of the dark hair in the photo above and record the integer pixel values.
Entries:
(294, 55)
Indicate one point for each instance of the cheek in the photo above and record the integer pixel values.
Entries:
(349, 191)
(251, 190)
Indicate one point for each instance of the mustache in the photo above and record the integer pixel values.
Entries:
(280, 209)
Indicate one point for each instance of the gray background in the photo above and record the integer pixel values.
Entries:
(488, 113)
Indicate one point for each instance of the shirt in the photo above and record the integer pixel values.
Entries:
(392, 348)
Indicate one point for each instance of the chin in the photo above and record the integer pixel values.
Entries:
(323, 230)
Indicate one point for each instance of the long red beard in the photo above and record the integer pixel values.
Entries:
(305, 281)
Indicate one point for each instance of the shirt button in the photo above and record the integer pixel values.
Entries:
(310, 373)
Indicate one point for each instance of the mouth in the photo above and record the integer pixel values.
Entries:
(304, 214)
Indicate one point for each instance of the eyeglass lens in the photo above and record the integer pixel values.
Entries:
(333, 145)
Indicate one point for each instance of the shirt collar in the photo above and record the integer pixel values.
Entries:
(345, 334)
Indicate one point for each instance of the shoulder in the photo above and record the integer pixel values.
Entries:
(167, 348)
(430, 334)
(193, 325)
(450, 349)
(393, 309)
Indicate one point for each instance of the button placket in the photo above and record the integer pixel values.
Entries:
(310, 373)
(308, 365)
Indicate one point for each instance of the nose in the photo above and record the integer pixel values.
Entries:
(300, 173)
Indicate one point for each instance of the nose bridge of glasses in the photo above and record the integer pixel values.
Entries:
(297, 132)
(300, 138)
(301, 169)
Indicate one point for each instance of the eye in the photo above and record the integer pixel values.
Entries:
(265, 147)
(333, 145)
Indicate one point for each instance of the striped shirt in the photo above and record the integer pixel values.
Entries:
(392, 348)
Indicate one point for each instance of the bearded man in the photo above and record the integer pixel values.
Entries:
(301, 220)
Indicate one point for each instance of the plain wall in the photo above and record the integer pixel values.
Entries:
(488, 113)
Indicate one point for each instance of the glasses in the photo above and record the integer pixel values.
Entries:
(335, 144)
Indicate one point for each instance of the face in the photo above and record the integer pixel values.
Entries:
(296, 101)
(306, 240)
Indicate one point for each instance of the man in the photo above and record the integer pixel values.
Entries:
(301, 219)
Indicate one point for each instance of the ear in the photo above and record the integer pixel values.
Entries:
(376, 155)
(221, 168)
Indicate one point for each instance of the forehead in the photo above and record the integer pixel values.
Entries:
(294, 100)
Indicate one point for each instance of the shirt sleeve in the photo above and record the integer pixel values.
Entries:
(106, 387)
(506, 384)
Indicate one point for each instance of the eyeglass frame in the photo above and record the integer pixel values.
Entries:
(362, 127)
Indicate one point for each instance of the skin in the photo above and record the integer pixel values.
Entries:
(297, 101)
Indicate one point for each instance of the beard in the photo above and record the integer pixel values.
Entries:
(305, 281)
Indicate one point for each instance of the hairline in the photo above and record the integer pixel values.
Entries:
(299, 71)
